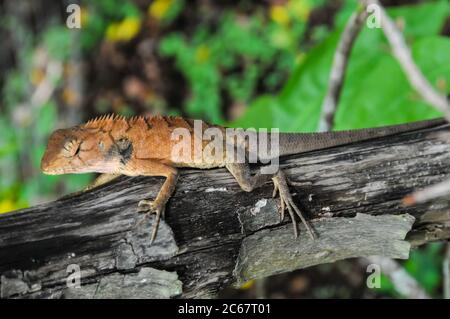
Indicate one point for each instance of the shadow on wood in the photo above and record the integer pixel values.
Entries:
(216, 235)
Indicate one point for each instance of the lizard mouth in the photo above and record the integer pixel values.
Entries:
(52, 172)
(64, 170)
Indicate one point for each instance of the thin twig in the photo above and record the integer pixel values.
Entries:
(339, 68)
(403, 54)
(46, 87)
(428, 193)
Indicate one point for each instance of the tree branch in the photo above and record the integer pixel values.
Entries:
(338, 69)
(216, 235)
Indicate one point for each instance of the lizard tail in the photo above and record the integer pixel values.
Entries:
(295, 143)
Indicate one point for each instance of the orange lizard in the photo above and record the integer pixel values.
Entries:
(114, 145)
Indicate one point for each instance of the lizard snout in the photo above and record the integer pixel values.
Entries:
(46, 166)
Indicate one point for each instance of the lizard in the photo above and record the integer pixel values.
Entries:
(114, 145)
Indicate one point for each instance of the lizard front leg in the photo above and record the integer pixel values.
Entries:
(154, 168)
(249, 182)
(100, 180)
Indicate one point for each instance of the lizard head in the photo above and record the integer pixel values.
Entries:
(78, 150)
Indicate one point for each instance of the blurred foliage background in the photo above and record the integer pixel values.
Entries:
(240, 63)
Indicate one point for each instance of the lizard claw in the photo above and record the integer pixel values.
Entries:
(276, 187)
(151, 207)
(146, 205)
(280, 183)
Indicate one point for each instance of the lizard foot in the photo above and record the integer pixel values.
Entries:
(151, 207)
(280, 185)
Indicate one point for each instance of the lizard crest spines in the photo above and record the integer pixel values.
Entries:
(104, 119)
(107, 121)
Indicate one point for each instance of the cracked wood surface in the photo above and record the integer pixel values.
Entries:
(216, 235)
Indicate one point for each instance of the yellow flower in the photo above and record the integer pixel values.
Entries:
(159, 8)
(125, 30)
(279, 14)
(202, 53)
(7, 205)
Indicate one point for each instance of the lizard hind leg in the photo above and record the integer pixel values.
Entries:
(249, 182)
(281, 184)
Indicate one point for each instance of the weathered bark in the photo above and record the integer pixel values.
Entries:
(220, 235)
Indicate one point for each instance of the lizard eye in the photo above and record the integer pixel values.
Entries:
(71, 148)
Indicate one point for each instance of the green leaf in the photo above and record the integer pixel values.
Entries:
(425, 265)
(424, 19)
(261, 114)
(387, 287)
